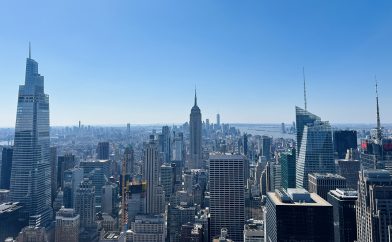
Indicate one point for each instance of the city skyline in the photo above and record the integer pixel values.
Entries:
(238, 55)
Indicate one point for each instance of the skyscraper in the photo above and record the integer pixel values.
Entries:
(103, 151)
(195, 136)
(343, 202)
(218, 120)
(316, 153)
(287, 162)
(30, 174)
(266, 142)
(302, 118)
(151, 168)
(373, 207)
(227, 198)
(166, 144)
(85, 203)
(6, 165)
(297, 215)
(322, 183)
(344, 140)
(53, 170)
(129, 160)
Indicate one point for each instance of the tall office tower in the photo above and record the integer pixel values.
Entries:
(177, 216)
(64, 162)
(287, 163)
(129, 156)
(67, 225)
(147, 228)
(377, 150)
(128, 129)
(266, 143)
(103, 151)
(343, 202)
(316, 154)
(283, 127)
(178, 147)
(195, 161)
(85, 203)
(166, 148)
(6, 165)
(245, 145)
(254, 231)
(302, 118)
(53, 171)
(373, 207)
(218, 124)
(297, 215)
(322, 183)
(110, 201)
(227, 202)
(349, 169)
(275, 176)
(32, 234)
(72, 179)
(344, 140)
(30, 173)
(136, 200)
(168, 179)
(151, 175)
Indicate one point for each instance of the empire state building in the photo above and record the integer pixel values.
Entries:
(195, 161)
(31, 174)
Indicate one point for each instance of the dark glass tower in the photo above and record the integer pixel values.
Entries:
(195, 136)
(344, 140)
(31, 171)
(6, 164)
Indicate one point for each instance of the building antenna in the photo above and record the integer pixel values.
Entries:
(378, 112)
(29, 50)
(306, 104)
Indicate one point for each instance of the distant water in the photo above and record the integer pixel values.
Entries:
(274, 130)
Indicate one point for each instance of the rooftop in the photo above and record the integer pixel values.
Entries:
(326, 176)
(296, 197)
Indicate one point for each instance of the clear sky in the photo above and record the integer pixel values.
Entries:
(114, 62)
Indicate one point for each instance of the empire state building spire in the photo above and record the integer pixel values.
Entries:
(195, 98)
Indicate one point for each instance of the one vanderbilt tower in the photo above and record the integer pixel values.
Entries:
(30, 175)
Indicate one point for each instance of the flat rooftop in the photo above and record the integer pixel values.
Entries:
(317, 201)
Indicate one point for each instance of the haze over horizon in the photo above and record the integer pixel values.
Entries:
(138, 62)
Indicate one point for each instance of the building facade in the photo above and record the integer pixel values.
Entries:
(297, 215)
(195, 125)
(30, 174)
(227, 198)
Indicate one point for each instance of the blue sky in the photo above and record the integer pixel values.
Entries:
(113, 62)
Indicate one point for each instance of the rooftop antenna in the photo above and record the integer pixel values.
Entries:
(306, 104)
(29, 50)
(195, 97)
(378, 113)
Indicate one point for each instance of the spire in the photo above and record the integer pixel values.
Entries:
(306, 104)
(195, 97)
(29, 50)
(378, 113)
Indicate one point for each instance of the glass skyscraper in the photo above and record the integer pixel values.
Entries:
(31, 172)
(302, 118)
(316, 152)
